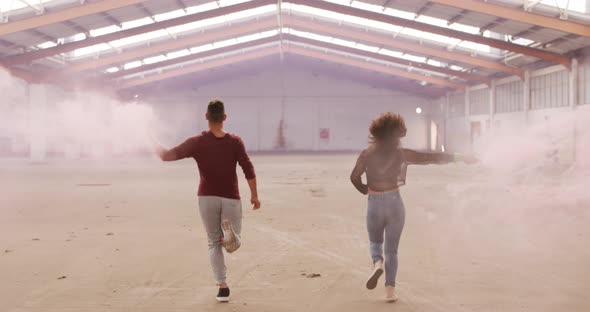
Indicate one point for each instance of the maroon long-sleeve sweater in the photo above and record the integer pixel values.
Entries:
(216, 159)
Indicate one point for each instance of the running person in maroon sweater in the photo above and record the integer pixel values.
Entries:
(217, 153)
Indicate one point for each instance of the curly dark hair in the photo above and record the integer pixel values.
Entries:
(386, 128)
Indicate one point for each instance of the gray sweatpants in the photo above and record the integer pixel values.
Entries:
(386, 215)
(213, 210)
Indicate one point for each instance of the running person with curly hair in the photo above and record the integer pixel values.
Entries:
(385, 162)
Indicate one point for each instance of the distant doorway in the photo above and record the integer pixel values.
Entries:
(433, 136)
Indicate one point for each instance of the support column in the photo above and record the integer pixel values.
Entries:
(573, 103)
(492, 104)
(446, 111)
(37, 122)
(527, 96)
(467, 123)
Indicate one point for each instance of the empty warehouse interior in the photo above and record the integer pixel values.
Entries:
(92, 220)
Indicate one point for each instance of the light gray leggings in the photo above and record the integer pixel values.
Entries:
(385, 214)
(213, 210)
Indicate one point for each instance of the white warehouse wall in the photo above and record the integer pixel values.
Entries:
(560, 117)
(306, 102)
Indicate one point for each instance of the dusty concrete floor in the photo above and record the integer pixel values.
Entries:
(137, 243)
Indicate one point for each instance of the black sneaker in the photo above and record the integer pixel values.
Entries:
(223, 295)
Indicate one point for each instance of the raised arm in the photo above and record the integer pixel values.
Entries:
(357, 172)
(421, 158)
(248, 169)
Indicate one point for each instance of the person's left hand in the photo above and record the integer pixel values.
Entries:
(255, 203)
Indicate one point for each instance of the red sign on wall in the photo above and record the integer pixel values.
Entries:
(324, 133)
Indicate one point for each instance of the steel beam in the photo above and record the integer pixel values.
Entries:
(499, 44)
(64, 15)
(397, 44)
(90, 41)
(519, 15)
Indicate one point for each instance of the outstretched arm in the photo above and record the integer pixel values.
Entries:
(166, 154)
(421, 158)
(183, 150)
(356, 175)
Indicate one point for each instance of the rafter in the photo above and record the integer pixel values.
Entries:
(377, 56)
(187, 42)
(90, 41)
(361, 36)
(290, 38)
(191, 57)
(516, 14)
(199, 67)
(499, 44)
(374, 67)
(64, 15)
(405, 85)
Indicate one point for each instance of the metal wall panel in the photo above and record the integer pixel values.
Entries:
(509, 97)
(479, 102)
(585, 84)
(457, 104)
(551, 90)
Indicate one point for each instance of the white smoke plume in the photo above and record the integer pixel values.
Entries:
(74, 123)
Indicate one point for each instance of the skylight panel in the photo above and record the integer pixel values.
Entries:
(139, 38)
(573, 5)
(434, 63)
(112, 70)
(169, 15)
(342, 2)
(343, 42)
(177, 54)
(413, 58)
(202, 8)
(428, 36)
(365, 47)
(131, 65)
(224, 43)
(398, 13)
(432, 21)
(104, 30)
(137, 23)
(78, 37)
(154, 59)
(474, 46)
(366, 6)
(223, 19)
(224, 3)
(202, 48)
(391, 53)
(91, 50)
(464, 28)
(45, 45)
(7, 6)
(523, 41)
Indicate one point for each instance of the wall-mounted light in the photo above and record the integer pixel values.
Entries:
(418, 110)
